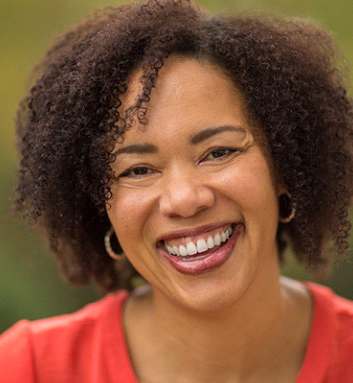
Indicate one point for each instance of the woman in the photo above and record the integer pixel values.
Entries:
(189, 150)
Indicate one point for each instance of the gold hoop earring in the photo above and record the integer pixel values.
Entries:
(108, 246)
(286, 207)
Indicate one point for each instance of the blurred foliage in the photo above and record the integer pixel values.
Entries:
(29, 285)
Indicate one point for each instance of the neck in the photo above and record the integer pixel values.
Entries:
(229, 338)
(253, 334)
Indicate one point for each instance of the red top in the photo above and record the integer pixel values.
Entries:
(329, 354)
(89, 345)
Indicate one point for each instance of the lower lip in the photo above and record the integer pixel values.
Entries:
(209, 263)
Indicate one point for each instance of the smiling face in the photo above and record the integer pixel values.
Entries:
(195, 207)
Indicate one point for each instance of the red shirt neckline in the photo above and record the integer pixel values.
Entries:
(319, 349)
(116, 343)
(317, 355)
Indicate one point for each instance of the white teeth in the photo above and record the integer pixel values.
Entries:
(191, 248)
(201, 246)
(183, 251)
(170, 249)
(210, 242)
(217, 239)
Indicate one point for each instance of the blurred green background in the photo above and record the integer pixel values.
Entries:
(29, 284)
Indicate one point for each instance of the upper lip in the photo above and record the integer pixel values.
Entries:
(192, 232)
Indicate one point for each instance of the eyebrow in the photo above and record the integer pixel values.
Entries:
(209, 132)
(137, 149)
(194, 140)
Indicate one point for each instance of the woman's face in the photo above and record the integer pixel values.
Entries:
(193, 177)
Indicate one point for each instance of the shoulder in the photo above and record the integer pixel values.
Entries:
(61, 342)
(343, 342)
(15, 345)
(66, 331)
(333, 324)
(85, 319)
(333, 307)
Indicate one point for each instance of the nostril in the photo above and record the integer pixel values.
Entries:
(186, 201)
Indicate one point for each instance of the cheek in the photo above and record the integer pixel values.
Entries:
(250, 185)
(129, 211)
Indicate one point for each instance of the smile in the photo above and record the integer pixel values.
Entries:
(199, 246)
(205, 250)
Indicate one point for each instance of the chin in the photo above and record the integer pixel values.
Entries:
(209, 295)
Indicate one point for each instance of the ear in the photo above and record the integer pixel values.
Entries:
(279, 182)
(287, 209)
(282, 188)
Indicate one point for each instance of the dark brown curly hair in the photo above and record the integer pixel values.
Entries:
(287, 70)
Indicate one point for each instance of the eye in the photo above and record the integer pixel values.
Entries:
(219, 153)
(136, 172)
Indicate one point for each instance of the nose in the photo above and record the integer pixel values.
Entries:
(184, 195)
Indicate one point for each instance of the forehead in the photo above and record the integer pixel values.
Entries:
(188, 91)
(177, 73)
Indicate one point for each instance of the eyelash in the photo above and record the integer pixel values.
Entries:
(129, 172)
(229, 151)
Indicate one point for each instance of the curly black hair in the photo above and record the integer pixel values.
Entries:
(67, 126)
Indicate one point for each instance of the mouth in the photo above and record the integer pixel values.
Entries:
(201, 252)
(198, 247)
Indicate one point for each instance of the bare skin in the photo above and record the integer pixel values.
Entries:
(237, 345)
